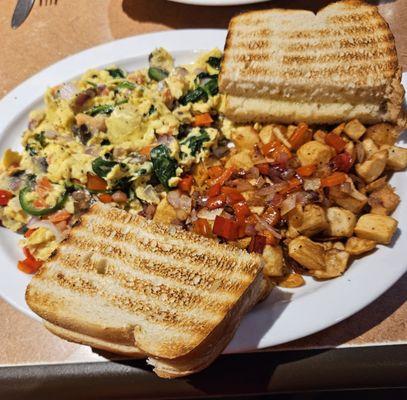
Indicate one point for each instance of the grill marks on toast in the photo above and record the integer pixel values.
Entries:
(156, 277)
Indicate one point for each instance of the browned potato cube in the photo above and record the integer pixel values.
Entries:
(397, 160)
(309, 254)
(379, 228)
(319, 136)
(339, 129)
(341, 222)
(384, 201)
(369, 147)
(371, 169)
(354, 129)
(314, 152)
(356, 246)
(353, 201)
(266, 135)
(273, 260)
(308, 221)
(382, 134)
(242, 159)
(336, 262)
(245, 137)
(165, 212)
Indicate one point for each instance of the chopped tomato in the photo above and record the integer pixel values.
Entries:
(241, 210)
(215, 171)
(214, 190)
(277, 151)
(264, 168)
(334, 179)
(5, 197)
(95, 183)
(203, 120)
(342, 162)
(306, 170)
(145, 151)
(225, 176)
(25, 267)
(105, 198)
(185, 184)
(335, 141)
(300, 136)
(30, 265)
(257, 244)
(202, 227)
(29, 232)
(232, 195)
(216, 202)
(61, 215)
(39, 203)
(226, 228)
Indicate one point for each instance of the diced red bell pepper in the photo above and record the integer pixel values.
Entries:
(334, 179)
(226, 228)
(203, 120)
(215, 171)
(257, 244)
(342, 162)
(306, 170)
(214, 190)
(300, 136)
(185, 184)
(96, 183)
(232, 195)
(105, 198)
(292, 185)
(241, 210)
(335, 141)
(5, 197)
(202, 227)
(216, 202)
(225, 176)
(264, 168)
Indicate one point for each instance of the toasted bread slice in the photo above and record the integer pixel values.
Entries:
(127, 281)
(292, 65)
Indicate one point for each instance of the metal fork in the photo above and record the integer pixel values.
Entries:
(48, 2)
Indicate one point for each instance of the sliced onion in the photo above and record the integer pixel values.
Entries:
(345, 187)
(14, 183)
(92, 150)
(360, 152)
(241, 185)
(253, 173)
(185, 203)
(262, 224)
(288, 204)
(220, 151)
(166, 140)
(37, 223)
(272, 189)
(67, 91)
(209, 214)
(250, 230)
(174, 198)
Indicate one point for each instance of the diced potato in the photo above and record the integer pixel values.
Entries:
(165, 212)
(356, 246)
(314, 152)
(379, 228)
(200, 173)
(309, 254)
(274, 261)
(266, 135)
(354, 129)
(291, 281)
(382, 134)
(350, 148)
(242, 159)
(319, 136)
(371, 169)
(290, 130)
(376, 185)
(308, 220)
(341, 222)
(336, 262)
(384, 201)
(339, 129)
(369, 147)
(245, 137)
(397, 160)
(353, 201)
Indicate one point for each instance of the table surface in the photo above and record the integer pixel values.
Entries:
(53, 32)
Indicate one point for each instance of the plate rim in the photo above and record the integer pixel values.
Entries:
(16, 102)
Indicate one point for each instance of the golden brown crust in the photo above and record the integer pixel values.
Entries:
(123, 279)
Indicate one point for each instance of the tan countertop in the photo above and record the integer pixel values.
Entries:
(53, 32)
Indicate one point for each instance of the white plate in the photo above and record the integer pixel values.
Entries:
(218, 2)
(287, 314)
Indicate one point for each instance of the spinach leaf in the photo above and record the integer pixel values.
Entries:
(214, 62)
(40, 138)
(164, 165)
(116, 72)
(193, 96)
(150, 111)
(100, 109)
(157, 74)
(195, 142)
(31, 150)
(126, 85)
(101, 167)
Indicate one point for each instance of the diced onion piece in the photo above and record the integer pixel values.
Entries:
(288, 204)
(210, 215)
